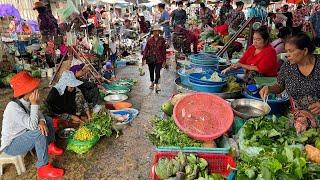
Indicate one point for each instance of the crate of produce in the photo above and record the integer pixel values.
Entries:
(209, 164)
(223, 147)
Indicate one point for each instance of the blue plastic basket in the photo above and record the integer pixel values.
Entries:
(184, 78)
(204, 59)
(124, 112)
(204, 67)
(196, 78)
(207, 88)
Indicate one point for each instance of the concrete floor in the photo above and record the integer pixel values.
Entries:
(127, 157)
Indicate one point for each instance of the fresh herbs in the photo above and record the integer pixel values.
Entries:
(166, 133)
(271, 149)
(102, 123)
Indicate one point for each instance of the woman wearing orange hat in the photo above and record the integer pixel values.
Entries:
(24, 127)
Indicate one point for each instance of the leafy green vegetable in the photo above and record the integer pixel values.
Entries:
(102, 123)
(166, 133)
(271, 149)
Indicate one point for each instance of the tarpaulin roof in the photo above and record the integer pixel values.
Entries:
(9, 10)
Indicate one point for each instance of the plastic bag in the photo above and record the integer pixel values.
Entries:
(97, 46)
(69, 12)
(71, 39)
(141, 71)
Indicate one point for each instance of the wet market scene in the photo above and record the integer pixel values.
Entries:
(160, 89)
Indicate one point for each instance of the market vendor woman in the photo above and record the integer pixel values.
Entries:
(260, 58)
(66, 101)
(300, 76)
(24, 127)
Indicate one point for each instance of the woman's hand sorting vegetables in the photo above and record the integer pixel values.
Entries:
(264, 92)
(76, 119)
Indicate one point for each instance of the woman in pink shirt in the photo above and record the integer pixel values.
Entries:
(278, 44)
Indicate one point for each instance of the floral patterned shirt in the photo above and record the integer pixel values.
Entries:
(224, 10)
(235, 19)
(304, 90)
(299, 17)
(156, 48)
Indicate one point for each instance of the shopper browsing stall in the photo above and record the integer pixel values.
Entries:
(24, 127)
(260, 58)
(47, 22)
(66, 101)
(179, 16)
(155, 56)
(164, 21)
(236, 18)
(205, 14)
(278, 44)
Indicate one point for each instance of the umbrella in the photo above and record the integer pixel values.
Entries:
(9, 10)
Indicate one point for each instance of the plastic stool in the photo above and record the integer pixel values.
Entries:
(16, 160)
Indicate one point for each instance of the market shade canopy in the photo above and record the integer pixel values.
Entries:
(9, 10)
(203, 116)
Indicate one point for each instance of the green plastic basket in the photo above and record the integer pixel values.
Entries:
(110, 88)
(222, 143)
(123, 83)
(81, 147)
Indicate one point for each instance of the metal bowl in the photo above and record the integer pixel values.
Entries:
(114, 98)
(65, 133)
(250, 108)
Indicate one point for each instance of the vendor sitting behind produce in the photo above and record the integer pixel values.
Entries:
(259, 59)
(24, 127)
(89, 89)
(300, 75)
(66, 101)
(300, 78)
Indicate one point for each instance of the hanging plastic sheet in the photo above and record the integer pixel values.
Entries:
(9, 10)
(97, 46)
(69, 12)
(71, 39)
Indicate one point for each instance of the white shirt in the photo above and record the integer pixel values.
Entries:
(112, 47)
(147, 16)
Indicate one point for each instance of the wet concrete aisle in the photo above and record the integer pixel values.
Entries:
(127, 157)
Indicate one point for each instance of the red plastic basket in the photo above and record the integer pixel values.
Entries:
(217, 163)
(203, 116)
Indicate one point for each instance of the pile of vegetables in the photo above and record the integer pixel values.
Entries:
(186, 167)
(232, 85)
(5, 77)
(211, 36)
(102, 123)
(166, 133)
(271, 149)
(88, 135)
(83, 134)
(214, 77)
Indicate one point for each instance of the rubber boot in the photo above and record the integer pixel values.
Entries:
(54, 150)
(49, 172)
